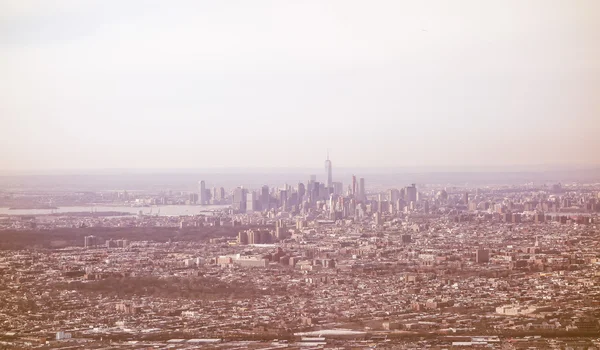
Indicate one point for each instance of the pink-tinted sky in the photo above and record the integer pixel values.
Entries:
(190, 84)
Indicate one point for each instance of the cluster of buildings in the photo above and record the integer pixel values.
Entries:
(441, 278)
(430, 266)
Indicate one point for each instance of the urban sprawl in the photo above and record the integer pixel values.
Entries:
(312, 265)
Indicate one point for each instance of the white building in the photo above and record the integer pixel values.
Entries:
(62, 335)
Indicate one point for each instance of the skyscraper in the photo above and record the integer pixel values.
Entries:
(411, 193)
(361, 189)
(283, 197)
(354, 185)
(239, 200)
(202, 191)
(264, 197)
(338, 188)
(251, 201)
(301, 191)
(315, 191)
(331, 207)
(243, 237)
(329, 183)
(90, 241)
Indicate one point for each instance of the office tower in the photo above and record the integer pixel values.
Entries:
(280, 229)
(315, 191)
(222, 193)
(516, 218)
(215, 195)
(394, 195)
(239, 200)
(331, 207)
(252, 239)
(293, 199)
(411, 193)
(362, 195)
(301, 192)
(323, 192)
(193, 198)
(202, 191)
(258, 237)
(352, 207)
(354, 185)
(310, 188)
(90, 241)
(265, 197)
(377, 217)
(251, 201)
(466, 198)
(338, 188)
(329, 181)
(283, 198)
(539, 218)
(242, 238)
(482, 256)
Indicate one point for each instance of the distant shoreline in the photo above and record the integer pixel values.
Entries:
(26, 207)
(93, 214)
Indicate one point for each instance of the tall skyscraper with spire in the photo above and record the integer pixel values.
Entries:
(329, 183)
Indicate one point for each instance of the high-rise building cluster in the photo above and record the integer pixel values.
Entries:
(314, 196)
(279, 263)
(207, 196)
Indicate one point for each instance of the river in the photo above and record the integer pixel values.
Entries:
(162, 210)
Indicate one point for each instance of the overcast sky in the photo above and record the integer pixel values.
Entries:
(194, 84)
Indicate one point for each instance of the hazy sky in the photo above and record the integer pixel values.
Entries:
(192, 84)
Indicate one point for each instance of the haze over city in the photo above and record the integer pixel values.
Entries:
(269, 84)
(315, 174)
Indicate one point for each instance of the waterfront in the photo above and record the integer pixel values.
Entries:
(162, 210)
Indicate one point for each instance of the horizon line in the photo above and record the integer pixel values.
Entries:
(425, 168)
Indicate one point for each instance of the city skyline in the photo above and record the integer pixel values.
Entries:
(315, 174)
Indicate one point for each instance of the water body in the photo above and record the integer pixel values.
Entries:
(162, 210)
